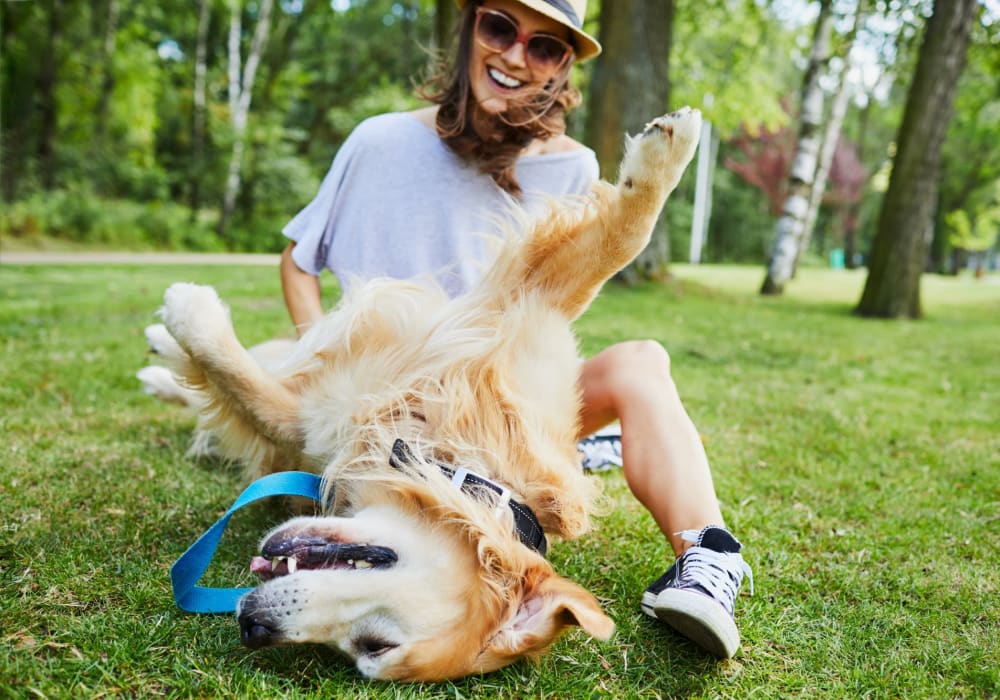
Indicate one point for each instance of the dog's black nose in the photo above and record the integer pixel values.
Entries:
(255, 633)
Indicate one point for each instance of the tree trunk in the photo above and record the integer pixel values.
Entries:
(48, 108)
(905, 225)
(853, 212)
(788, 231)
(198, 132)
(705, 176)
(630, 86)
(444, 23)
(831, 135)
(107, 70)
(240, 93)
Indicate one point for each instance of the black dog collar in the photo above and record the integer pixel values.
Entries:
(526, 524)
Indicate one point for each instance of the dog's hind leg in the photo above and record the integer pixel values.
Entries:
(246, 402)
(569, 255)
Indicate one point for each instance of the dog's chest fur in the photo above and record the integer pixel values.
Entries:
(472, 383)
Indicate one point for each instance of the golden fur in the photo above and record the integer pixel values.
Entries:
(485, 381)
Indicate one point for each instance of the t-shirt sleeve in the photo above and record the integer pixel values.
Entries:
(588, 174)
(312, 228)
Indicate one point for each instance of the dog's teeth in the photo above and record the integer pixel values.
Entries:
(362, 564)
(293, 565)
(350, 562)
(275, 563)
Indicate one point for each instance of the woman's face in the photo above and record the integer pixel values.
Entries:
(497, 77)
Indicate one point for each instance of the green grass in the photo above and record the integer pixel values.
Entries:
(858, 460)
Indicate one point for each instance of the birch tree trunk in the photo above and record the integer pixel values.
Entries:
(630, 85)
(240, 94)
(831, 136)
(789, 229)
(198, 120)
(906, 218)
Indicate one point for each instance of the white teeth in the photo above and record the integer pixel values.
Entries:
(504, 79)
(293, 565)
(363, 564)
(276, 562)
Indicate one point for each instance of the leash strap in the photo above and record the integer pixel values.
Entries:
(190, 566)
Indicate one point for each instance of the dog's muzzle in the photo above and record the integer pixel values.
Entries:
(258, 629)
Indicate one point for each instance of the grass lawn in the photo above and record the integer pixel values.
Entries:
(858, 461)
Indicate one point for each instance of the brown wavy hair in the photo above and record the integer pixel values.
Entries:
(541, 115)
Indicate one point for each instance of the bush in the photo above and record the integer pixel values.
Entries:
(76, 214)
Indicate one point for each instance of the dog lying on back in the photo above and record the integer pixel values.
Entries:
(445, 430)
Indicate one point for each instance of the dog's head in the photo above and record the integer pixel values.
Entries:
(411, 594)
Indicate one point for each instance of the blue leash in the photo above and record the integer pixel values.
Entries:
(190, 566)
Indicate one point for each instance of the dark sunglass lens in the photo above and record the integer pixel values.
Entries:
(497, 31)
(546, 51)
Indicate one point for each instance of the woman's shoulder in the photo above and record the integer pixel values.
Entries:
(387, 125)
(556, 144)
(562, 153)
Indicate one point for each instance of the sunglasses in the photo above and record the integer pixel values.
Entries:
(497, 32)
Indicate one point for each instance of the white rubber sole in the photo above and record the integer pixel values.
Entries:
(697, 617)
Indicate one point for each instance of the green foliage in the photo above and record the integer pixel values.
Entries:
(731, 60)
(77, 214)
(325, 69)
(387, 97)
(975, 236)
(970, 159)
(858, 461)
(741, 226)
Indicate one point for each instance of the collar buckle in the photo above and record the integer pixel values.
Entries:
(463, 476)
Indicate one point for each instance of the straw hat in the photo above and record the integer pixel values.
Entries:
(569, 13)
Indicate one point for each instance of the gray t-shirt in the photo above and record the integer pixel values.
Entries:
(398, 202)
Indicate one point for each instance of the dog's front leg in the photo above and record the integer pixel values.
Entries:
(570, 261)
(239, 390)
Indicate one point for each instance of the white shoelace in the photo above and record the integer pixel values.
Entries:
(719, 573)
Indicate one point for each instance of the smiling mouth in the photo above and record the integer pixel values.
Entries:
(282, 557)
(505, 81)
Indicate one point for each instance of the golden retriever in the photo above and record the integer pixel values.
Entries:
(418, 570)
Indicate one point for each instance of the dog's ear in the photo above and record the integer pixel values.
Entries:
(546, 610)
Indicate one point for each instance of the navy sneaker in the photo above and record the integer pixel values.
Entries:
(600, 452)
(696, 595)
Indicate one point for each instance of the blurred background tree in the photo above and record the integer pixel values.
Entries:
(116, 128)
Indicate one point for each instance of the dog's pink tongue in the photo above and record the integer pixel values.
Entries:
(259, 565)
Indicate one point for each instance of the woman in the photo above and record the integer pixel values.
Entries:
(401, 199)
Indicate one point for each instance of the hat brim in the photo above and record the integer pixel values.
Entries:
(586, 45)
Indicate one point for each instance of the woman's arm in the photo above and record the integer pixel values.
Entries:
(301, 291)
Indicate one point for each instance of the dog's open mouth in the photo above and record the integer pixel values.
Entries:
(281, 557)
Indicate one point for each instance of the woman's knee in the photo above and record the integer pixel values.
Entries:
(641, 358)
(633, 365)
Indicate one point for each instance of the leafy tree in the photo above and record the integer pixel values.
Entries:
(241, 82)
(970, 157)
(976, 235)
(765, 160)
(630, 84)
(791, 224)
(899, 253)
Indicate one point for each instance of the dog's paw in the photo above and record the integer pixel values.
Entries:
(161, 343)
(682, 128)
(193, 314)
(160, 382)
(660, 154)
